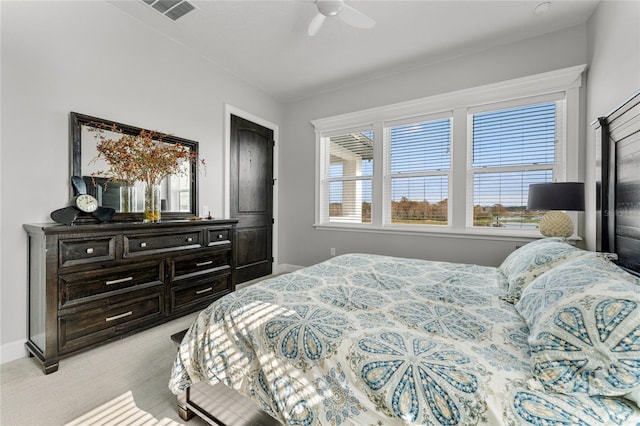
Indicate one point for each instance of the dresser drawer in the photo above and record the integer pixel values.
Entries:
(218, 237)
(185, 267)
(202, 291)
(82, 250)
(146, 244)
(91, 285)
(82, 328)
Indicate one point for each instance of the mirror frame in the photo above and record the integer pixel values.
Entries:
(77, 120)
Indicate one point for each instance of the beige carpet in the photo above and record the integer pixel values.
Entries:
(120, 411)
(140, 364)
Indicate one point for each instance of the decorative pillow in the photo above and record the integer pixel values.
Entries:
(529, 261)
(574, 276)
(584, 322)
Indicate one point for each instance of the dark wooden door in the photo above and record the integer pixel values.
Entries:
(252, 197)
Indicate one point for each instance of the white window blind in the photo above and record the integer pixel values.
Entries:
(511, 149)
(347, 177)
(417, 167)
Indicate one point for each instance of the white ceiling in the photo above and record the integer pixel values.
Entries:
(265, 43)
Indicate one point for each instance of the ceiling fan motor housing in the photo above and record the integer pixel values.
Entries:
(330, 7)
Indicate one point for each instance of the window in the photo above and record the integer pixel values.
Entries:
(346, 183)
(418, 164)
(512, 148)
(179, 196)
(458, 163)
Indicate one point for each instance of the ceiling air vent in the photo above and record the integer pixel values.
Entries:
(173, 9)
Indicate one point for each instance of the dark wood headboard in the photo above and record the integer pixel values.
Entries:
(618, 183)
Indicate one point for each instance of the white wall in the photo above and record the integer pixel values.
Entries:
(89, 57)
(301, 244)
(614, 75)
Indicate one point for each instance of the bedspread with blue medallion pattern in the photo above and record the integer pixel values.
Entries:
(374, 340)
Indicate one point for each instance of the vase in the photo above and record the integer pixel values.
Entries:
(152, 203)
(128, 198)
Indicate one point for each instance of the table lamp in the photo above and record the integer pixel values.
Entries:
(557, 198)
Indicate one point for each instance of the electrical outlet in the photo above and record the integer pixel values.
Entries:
(333, 251)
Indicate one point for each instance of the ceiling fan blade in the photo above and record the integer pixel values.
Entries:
(355, 18)
(315, 24)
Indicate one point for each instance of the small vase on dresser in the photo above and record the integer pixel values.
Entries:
(152, 206)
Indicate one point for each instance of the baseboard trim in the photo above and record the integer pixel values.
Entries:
(12, 351)
(285, 268)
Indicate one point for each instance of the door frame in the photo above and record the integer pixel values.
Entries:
(230, 110)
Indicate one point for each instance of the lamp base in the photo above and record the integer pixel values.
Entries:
(556, 224)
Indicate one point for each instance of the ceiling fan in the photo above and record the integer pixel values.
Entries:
(331, 8)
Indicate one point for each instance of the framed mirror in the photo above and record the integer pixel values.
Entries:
(179, 193)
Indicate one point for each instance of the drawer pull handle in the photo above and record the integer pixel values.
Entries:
(220, 236)
(118, 281)
(206, 290)
(208, 262)
(143, 244)
(90, 250)
(117, 317)
(189, 239)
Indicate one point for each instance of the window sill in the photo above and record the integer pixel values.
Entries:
(443, 232)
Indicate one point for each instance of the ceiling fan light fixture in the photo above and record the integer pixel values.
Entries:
(331, 8)
(542, 8)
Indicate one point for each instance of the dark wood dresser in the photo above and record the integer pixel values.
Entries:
(90, 284)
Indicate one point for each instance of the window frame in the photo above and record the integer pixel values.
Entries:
(457, 104)
(558, 167)
(326, 179)
(388, 176)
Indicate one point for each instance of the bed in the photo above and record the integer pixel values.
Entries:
(552, 336)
